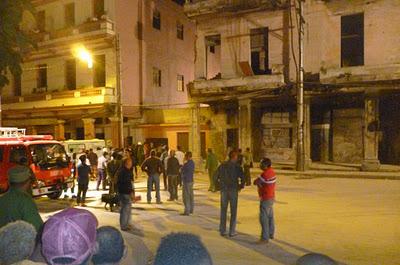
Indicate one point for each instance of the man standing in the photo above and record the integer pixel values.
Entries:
(187, 184)
(17, 203)
(230, 178)
(172, 173)
(83, 181)
(153, 167)
(93, 159)
(112, 168)
(101, 170)
(164, 158)
(247, 164)
(266, 191)
(211, 166)
(126, 194)
(181, 158)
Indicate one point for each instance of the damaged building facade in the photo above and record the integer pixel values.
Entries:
(245, 70)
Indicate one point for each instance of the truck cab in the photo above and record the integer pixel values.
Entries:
(44, 156)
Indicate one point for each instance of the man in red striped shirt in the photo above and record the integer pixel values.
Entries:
(266, 191)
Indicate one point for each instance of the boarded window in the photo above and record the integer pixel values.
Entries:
(156, 19)
(352, 40)
(69, 15)
(70, 74)
(259, 51)
(181, 83)
(41, 21)
(179, 30)
(41, 81)
(156, 77)
(99, 71)
(98, 8)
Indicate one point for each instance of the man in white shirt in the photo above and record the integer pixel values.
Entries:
(180, 156)
(101, 169)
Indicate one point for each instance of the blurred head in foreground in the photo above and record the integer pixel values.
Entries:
(315, 259)
(111, 247)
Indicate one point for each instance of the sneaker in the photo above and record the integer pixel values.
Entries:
(233, 234)
(159, 202)
(222, 234)
(271, 237)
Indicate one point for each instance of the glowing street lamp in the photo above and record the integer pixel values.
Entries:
(84, 55)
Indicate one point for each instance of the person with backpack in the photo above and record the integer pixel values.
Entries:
(266, 191)
(229, 179)
(112, 168)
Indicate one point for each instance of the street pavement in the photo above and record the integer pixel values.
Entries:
(354, 221)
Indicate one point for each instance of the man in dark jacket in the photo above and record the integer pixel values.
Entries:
(172, 173)
(153, 167)
(229, 178)
(187, 184)
(112, 168)
(126, 193)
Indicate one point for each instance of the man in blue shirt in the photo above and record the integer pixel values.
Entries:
(229, 178)
(187, 184)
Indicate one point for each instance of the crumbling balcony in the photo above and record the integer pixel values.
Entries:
(203, 7)
(231, 86)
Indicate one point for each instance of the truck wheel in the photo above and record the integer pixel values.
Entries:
(55, 195)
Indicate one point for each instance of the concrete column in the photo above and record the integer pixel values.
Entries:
(88, 127)
(201, 55)
(59, 130)
(245, 121)
(195, 135)
(307, 133)
(31, 130)
(371, 134)
(115, 131)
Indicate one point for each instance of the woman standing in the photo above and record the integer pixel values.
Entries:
(126, 194)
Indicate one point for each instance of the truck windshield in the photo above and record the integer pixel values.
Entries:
(49, 155)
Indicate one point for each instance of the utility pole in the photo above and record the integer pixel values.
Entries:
(300, 161)
(120, 114)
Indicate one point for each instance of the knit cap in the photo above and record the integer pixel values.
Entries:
(69, 237)
(17, 241)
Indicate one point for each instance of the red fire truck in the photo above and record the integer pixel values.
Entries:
(46, 157)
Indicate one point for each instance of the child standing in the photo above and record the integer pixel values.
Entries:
(266, 191)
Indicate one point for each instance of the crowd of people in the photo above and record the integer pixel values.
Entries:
(72, 236)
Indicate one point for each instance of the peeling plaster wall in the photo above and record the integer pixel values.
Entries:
(347, 129)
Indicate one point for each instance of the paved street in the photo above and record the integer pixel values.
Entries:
(355, 221)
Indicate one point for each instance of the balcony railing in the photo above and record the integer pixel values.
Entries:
(201, 7)
(90, 26)
(96, 95)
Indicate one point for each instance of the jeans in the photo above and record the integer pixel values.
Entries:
(82, 189)
(125, 210)
(173, 187)
(101, 177)
(188, 197)
(156, 179)
(228, 197)
(267, 219)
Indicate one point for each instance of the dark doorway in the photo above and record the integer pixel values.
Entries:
(389, 144)
(70, 74)
(99, 74)
(232, 138)
(80, 133)
(183, 140)
(316, 144)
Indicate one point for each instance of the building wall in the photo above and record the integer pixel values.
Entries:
(322, 46)
(163, 50)
(347, 128)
